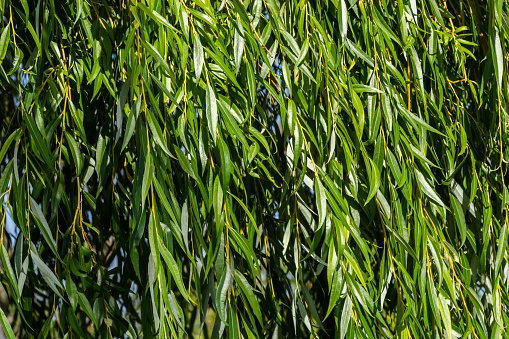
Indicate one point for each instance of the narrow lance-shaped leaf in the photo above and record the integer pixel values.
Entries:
(6, 326)
(4, 41)
(427, 189)
(197, 56)
(41, 221)
(211, 110)
(460, 218)
(120, 109)
(320, 201)
(238, 43)
(222, 293)
(46, 273)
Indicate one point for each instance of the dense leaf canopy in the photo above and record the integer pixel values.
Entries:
(254, 168)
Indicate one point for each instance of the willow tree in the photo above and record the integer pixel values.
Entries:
(254, 168)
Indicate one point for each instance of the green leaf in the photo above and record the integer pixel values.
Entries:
(436, 11)
(225, 164)
(393, 165)
(157, 56)
(502, 244)
(382, 25)
(197, 56)
(85, 305)
(4, 41)
(43, 226)
(72, 291)
(9, 271)
(335, 292)
(147, 179)
(217, 200)
(164, 89)
(184, 163)
(321, 201)
(292, 115)
(416, 120)
(174, 269)
(460, 218)
(238, 43)
(249, 215)
(345, 317)
(7, 143)
(499, 57)
(129, 129)
(50, 278)
(223, 66)
(227, 112)
(446, 316)
(73, 321)
(184, 21)
(99, 311)
(42, 148)
(343, 19)
(6, 326)
(403, 242)
(251, 81)
(154, 15)
(222, 293)
(360, 53)
(374, 182)
(184, 224)
(246, 249)
(156, 132)
(239, 9)
(211, 111)
(356, 101)
(421, 156)
(427, 189)
(120, 108)
(247, 290)
(303, 52)
(76, 153)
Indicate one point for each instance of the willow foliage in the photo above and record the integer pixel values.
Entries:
(254, 168)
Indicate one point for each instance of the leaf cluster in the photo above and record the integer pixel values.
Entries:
(254, 168)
